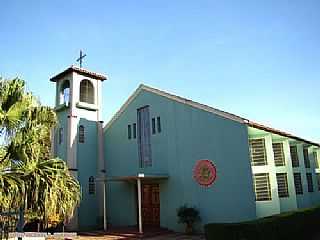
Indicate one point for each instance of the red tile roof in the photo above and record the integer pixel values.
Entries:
(80, 71)
(279, 132)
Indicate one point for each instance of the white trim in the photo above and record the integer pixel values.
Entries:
(174, 98)
(87, 106)
(61, 107)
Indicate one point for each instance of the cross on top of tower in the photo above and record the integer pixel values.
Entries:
(82, 56)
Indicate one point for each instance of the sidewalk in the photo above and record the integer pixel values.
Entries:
(170, 236)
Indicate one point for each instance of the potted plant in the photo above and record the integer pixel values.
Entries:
(188, 216)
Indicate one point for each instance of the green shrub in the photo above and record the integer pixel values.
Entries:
(299, 224)
(188, 216)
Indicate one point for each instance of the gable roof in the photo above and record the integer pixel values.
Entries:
(203, 107)
(82, 71)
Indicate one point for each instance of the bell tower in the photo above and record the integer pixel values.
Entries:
(78, 138)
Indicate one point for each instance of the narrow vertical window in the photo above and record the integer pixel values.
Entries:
(153, 126)
(310, 182)
(81, 134)
(92, 187)
(315, 157)
(144, 137)
(159, 124)
(298, 183)
(294, 156)
(134, 130)
(258, 152)
(282, 181)
(129, 131)
(60, 135)
(262, 186)
(306, 158)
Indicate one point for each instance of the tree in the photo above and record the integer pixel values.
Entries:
(29, 177)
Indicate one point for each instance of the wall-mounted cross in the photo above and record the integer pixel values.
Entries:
(81, 57)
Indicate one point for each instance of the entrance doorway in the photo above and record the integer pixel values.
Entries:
(150, 205)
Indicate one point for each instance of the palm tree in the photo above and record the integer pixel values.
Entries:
(29, 177)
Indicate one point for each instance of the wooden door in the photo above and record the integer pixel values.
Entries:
(150, 205)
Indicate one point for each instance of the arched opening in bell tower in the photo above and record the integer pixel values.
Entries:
(86, 92)
(65, 92)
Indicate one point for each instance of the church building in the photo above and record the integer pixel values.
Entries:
(161, 151)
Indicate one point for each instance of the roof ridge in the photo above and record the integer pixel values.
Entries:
(201, 105)
(206, 108)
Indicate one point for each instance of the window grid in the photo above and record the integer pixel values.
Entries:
(258, 152)
(278, 153)
(298, 183)
(315, 157)
(262, 187)
(318, 181)
(282, 181)
(306, 158)
(294, 156)
(310, 182)
(81, 134)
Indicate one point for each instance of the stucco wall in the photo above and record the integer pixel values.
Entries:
(81, 158)
(279, 205)
(188, 134)
(87, 166)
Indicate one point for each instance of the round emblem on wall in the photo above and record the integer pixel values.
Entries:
(204, 172)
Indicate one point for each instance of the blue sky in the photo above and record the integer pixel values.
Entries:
(257, 59)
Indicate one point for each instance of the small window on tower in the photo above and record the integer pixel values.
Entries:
(60, 135)
(81, 134)
(92, 187)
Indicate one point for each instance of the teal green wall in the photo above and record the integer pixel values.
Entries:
(88, 215)
(188, 134)
(87, 166)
